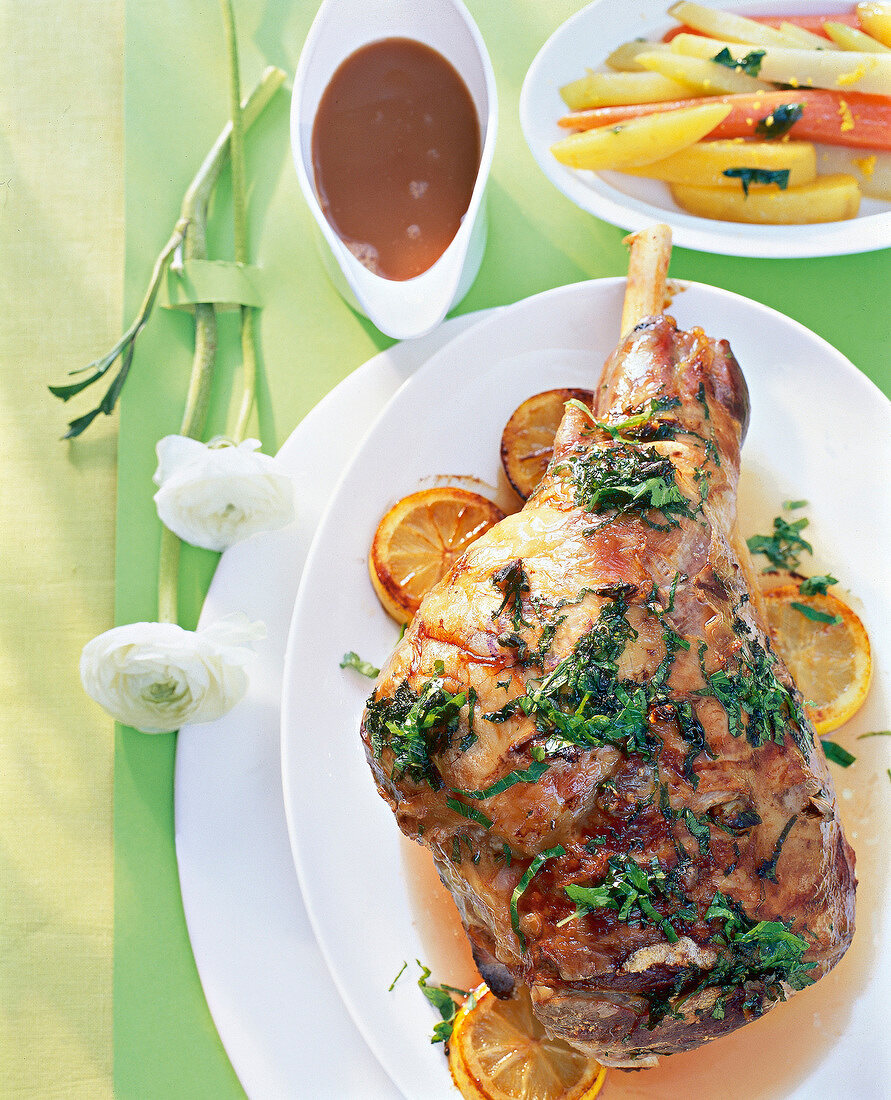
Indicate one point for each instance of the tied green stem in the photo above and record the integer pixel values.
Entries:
(194, 213)
(248, 346)
(195, 206)
(191, 223)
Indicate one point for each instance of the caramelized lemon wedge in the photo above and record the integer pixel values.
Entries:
(527, 441)
(418, 541)
(825, 647)
(499, 1051)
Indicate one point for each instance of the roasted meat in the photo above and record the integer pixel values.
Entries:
(587, 725)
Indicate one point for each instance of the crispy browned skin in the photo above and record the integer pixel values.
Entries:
(744, 810)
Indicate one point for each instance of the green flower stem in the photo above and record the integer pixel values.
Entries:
(194, 211)
(236, 139)
(248, 345)
(249, 373)
(168, 577)
(194, 214)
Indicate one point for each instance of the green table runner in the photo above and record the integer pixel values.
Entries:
(175, 103)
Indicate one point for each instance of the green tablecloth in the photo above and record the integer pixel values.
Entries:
(76, 124)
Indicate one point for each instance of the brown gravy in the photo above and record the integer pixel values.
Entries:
(395, 152)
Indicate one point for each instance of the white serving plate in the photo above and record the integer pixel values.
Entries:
(583, 42)
(817, 424)
(268, 989)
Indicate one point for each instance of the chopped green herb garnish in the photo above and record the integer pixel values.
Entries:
(768, 869)
(784, 547)
(818, 585)
(414, 726)
(353, 660)
(470, 738)
(750, 64)
(628, 478)
(629, 889)
(766, 952)
(690, 728)
(780, 121)
(441, 999)
(628, 430)
(398, 976)
(813, 614)
(513, 583)
(757, 704)
(673, 642)
(698, 829)
(748, 176)
(735, 817)
(794, 505)
(582, 702)
(874, 733)
(755, 962)
(470, 812)
(665, 807)
(532, 870)
(673, 590)
(532, 774)
(837, 754)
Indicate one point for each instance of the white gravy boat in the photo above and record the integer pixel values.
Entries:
(410, 307)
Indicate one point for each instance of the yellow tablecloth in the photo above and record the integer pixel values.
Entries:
(61, 285)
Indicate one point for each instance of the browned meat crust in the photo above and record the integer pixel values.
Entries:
(587, 725)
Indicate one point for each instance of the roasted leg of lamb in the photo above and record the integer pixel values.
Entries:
(587, 725)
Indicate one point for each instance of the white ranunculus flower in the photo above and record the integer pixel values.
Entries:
(216, 494)
(157, 677)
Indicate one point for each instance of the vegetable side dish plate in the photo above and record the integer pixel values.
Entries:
(583, 42)
(814, 418)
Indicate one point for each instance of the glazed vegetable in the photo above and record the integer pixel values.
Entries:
(609, 89)
(827, 199)
(813, 23)
(875, 18)
(869, 73)
(784, 82)
(639, 140)
(850, 38)
(712, 160)
(835, 118)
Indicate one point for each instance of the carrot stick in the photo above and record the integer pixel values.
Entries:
(851, 119)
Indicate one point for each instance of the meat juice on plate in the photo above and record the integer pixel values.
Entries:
(769, 1057)
(396, 150)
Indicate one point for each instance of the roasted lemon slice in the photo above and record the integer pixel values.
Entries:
(825, 647)
(419, 539)
(527, 441)
(499, 1051)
